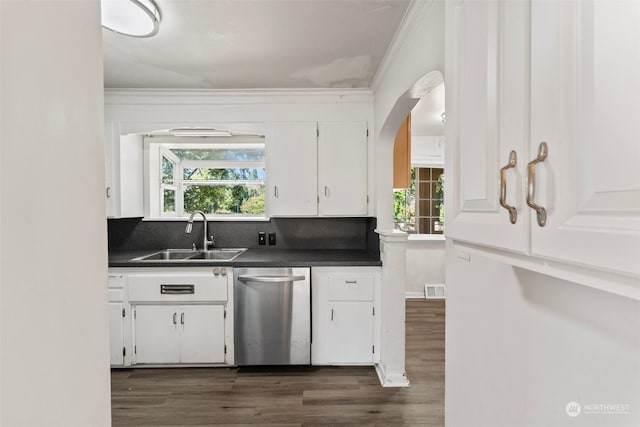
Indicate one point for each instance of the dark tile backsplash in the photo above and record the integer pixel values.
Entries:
(291, 233)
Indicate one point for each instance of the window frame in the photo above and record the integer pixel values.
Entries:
(158, 147)
(417, 182)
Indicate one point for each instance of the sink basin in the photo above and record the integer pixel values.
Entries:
(218, 254)
(188, 255)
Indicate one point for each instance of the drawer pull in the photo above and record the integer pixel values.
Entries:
(541, 212)
(351, 282)
(177, 289)
(513, 213)
(182, 318)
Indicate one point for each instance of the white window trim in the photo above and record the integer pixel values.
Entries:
(153, 175)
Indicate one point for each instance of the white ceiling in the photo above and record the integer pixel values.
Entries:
(256, 44)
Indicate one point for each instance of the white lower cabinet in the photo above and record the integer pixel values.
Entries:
(117, 349)
(171, 315)
(179, 334)
(343, 315)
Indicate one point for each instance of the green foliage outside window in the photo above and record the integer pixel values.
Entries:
(218, 179)
(222, 198)
(412, 207)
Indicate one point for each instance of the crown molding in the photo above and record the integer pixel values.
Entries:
(114, 96)
(416, 9)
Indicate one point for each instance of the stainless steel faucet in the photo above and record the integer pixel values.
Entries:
(189, 228)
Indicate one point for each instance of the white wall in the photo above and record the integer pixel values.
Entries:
(53, 250)
(427, 151)
(520, 346)
(417, 50)
(425, 265)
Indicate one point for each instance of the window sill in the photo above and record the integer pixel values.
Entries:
(426, 238)
(210, 218)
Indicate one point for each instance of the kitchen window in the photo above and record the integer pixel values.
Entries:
(222, 176)
(419, 209)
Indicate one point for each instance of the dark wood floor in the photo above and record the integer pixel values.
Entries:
(318, 396)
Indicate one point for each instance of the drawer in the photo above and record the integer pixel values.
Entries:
(177, 287)
(350, 287)
(115, 280)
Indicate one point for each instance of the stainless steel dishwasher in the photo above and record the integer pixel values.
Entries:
(272, 319)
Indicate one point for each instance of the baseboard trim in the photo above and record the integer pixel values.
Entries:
(391, 380)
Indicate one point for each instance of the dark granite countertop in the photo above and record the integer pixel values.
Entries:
(267, 257)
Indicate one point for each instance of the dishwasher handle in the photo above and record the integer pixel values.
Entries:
(271, 279)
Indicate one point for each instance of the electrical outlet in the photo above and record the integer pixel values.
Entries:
(262, 238)
(272, 239)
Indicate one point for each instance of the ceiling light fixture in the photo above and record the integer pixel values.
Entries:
(199, 132)
(134, 18)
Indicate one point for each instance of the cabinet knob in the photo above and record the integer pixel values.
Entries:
(223, 271)
(216, 271)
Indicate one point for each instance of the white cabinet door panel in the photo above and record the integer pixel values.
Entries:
(342, 168)
(156, 334)
(116, 340)
(585, 104)
(487, 118)
(292, 169)
(351, 331)
(202, 334)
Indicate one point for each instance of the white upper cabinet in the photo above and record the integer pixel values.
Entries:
(563, 73)
(292, 169)
(317, 168)
(585, 99)
(486, 121)
(342, 168)
(124, 173)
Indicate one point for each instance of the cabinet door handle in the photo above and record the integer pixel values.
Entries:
(108, 192)
(531, 184)
(177, 289)
(174, 318)
(326, 191)
(513, 213)
(332, 314)
(182, 318)
(275, 191)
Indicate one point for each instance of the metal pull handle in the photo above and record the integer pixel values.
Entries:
(332, 314)
(182, 318)
(326, 191)
(174, 318)
(275, 190)
(531, 184)
(270, 279)
(108, 192)
(513, 213)
(351, 282)
(177, 289)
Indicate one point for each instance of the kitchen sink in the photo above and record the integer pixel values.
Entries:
(188, 255)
